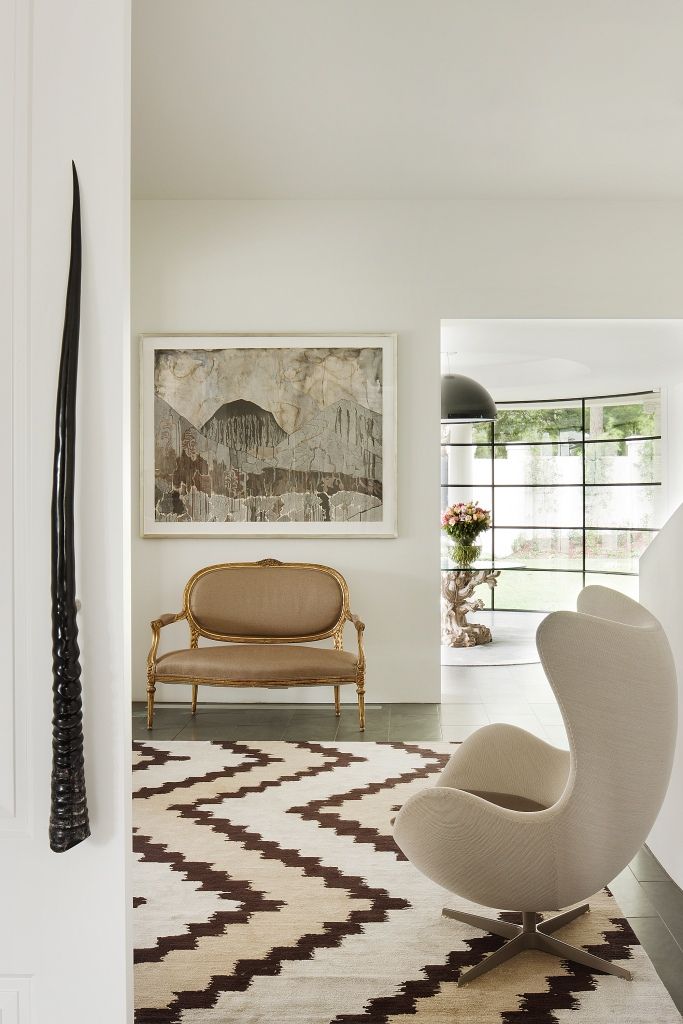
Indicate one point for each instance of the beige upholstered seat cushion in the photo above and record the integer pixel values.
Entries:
(258, 662)
(510, 800)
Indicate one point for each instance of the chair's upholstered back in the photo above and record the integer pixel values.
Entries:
(266, 601)
(612, 672)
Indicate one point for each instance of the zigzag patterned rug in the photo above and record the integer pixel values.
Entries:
(268, 890)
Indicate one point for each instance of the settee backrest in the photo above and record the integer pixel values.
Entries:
(266, 601)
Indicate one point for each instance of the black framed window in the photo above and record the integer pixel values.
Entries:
(574, 487)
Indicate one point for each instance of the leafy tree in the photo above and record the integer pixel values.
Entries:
(549, 424)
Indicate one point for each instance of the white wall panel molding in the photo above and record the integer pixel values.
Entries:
(15, 49)
(15, 1000)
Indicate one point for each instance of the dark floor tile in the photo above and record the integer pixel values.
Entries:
(419, 729)
(232, 731)
(255, 732)
(168, 723)
(351, 715)
(647, 868)
(667, 899)
(168, 716)
(374, 732)
(159, 732)
(244, 716)
(373, 716)
(420, 710)
(664, 952)
(630, 896)
(362, 737)
(414, 723)
(322, 715)
(376, 712)
(297, 731)
(315, 724)
(169, 712)
(376, 724)
(369, 705)
(320, 705)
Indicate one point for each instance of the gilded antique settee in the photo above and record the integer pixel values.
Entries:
(266, 615)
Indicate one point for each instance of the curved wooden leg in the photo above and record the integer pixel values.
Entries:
(360, 690)
(337, 702)
(150, 699)
(194, 698)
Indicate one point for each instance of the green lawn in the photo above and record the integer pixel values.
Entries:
(552, 591)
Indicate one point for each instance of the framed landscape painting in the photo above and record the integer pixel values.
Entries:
(268, 435)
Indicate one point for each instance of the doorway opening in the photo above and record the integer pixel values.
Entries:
(577, 474)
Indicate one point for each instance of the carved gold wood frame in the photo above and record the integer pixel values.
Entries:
(336, 632)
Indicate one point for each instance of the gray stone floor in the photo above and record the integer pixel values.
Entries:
(294, 722)
(650, 900)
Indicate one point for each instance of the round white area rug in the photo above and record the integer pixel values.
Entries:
(514, 643)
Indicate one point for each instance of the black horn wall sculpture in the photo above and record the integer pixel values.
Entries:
(69, 809)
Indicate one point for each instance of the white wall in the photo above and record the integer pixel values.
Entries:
(385, 266)
(673, 426)
(660, 591)
(63, 949)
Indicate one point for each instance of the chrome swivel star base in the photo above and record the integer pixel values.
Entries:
(533, 934)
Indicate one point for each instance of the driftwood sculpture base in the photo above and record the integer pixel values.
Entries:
(457, 600)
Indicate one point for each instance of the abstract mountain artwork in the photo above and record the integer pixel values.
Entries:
(271, 435)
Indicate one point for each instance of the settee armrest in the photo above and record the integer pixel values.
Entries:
(157, 625)
(360, 627)
(168, 618)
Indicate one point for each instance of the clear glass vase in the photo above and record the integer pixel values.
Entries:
(465, 553)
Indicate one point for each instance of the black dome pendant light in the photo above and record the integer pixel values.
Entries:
(464, 400)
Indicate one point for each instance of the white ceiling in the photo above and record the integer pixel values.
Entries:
(424, 99)
(589, 357)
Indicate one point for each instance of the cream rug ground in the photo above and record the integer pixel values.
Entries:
(268, 889)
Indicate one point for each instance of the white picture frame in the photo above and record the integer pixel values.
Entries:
(268, 435)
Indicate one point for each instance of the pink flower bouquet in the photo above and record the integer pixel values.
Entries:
(464, 521)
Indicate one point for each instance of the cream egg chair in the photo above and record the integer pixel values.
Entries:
(519, 825)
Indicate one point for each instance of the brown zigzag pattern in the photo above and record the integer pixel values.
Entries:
(335, 759)
(537, 1007)
(257, 760)
(155, 756)
(405, 1001)
(304, 947)
(383, 843)
(211, 880)
(563, 990)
